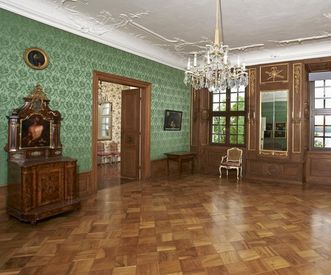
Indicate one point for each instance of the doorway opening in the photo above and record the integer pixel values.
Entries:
(127, 128)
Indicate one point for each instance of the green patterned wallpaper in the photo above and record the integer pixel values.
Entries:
(68, 83)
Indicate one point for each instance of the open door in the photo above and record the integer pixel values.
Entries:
(130, 134)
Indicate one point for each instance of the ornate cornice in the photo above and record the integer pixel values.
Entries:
(126, 32)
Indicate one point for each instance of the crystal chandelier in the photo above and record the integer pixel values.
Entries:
(215, 71)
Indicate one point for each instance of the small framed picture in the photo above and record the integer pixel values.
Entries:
(172, 120)
(36, 58)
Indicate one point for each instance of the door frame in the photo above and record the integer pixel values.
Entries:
(145, 118)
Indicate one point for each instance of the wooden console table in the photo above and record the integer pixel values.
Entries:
(180, 157)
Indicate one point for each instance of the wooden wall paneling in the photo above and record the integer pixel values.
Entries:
(305, 111)
(274, 73)
(296, 112)
(84, 184)
(158, 168)
(275, 170)
(251, 133)
(318, 168)
(3, 202)
(195, 118)
(204, 117)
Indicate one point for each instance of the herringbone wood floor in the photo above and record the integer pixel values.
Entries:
(194, 225)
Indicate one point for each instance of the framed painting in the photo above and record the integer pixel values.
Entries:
(172, 120)
(35, 132)
(36, 58)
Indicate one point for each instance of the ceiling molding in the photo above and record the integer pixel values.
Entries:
(125, 32)
(302, 39)
(118, 41)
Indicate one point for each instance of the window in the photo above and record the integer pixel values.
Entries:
(321, 114)
(228, 117)
(104, 129)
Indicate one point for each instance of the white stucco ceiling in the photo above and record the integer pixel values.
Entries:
(260, 31)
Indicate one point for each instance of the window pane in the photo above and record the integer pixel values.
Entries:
(223, 98)
(328, 131)
(319, 120)
(318, 142)
(223, 106)
(241, 120)
(233, 130)
(319, 131)
(319, 104)
(319, 92)
(241, 130)
(319, 83)
(217, 129)
(327, 103)
(328, 82)
(216, 107)
(218, 138)
(234, 97)
(219, 120)
(216, 97)
(328, 92)
(328, 143)
(233, 120)
(233, 139)
(234, 106)
(327, 120)
(215, 138)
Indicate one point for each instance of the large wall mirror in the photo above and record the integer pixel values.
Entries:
(274, 120)
(105, 121)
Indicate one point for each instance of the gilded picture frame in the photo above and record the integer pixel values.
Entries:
(36, 58)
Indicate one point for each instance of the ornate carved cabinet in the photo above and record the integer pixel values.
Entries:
(41, 182)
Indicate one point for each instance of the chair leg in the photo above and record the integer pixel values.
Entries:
(237, 173)
(227, 172)
(220, 169)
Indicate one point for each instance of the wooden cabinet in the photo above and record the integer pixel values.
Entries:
(39, 189)
(41, 182)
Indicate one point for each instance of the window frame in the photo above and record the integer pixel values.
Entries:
(315, 112)
(227, 114)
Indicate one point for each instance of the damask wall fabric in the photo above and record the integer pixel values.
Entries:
(68, 83)
(113, 94)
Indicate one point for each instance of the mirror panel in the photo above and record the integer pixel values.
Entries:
(274, 120)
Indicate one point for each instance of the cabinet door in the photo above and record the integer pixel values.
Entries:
(50, 183)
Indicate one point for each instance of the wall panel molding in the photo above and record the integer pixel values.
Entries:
(297, 108)
(251, 133)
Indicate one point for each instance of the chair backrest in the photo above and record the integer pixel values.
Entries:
(100, 146)
(113, 146)
(234, 154)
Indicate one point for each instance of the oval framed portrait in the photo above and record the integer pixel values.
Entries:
(36, 58)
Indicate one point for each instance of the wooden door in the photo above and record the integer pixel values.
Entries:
(130, 134)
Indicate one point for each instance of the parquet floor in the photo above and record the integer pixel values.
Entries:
(194, 225)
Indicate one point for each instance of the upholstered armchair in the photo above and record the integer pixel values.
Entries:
(232, 160)
(104, 155)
